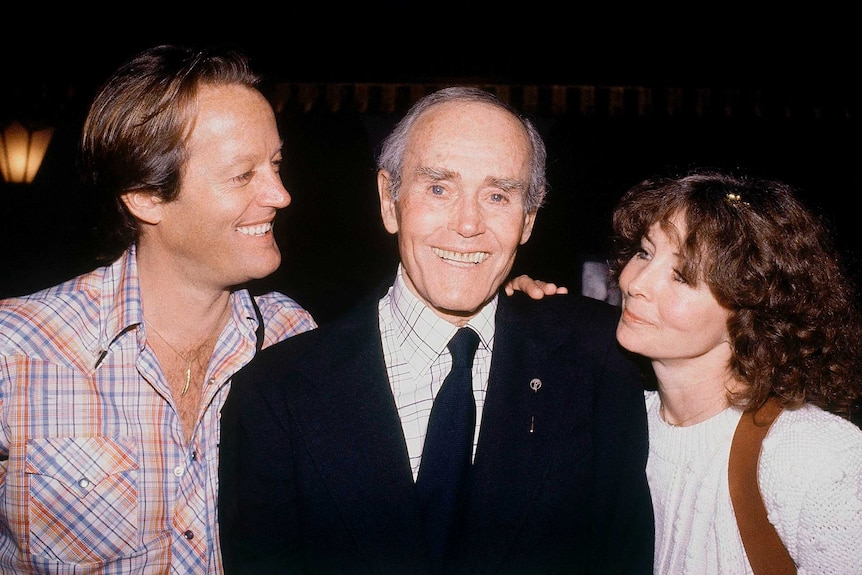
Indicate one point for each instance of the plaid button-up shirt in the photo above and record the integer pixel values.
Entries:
(95, 475)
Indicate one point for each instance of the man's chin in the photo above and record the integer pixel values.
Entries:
(263, 269)
(454, 308)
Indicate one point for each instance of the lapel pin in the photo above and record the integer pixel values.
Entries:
(535, 385)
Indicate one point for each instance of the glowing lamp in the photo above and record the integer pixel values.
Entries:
(22, 151)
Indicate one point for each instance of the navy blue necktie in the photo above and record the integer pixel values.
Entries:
(443, 481)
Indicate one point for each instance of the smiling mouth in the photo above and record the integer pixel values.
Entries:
(461, 257)
(258, 230)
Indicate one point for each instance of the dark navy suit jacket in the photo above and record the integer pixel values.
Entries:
(315, 476)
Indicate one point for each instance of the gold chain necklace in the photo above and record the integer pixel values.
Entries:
(663, 418)
(683, 422)
(184, 358)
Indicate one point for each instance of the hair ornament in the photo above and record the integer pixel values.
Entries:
(734, 200)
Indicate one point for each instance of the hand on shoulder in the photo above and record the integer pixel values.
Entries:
(536, 289)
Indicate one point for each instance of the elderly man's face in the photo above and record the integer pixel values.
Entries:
(460, 216)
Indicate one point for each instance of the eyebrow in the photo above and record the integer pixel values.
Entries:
(438, 174)
(508, 184)
(251, 157)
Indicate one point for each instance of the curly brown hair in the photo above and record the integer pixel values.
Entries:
(795, 325)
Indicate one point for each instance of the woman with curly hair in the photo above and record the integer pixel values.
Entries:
(734, 292)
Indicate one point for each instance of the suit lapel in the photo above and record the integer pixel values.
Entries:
(527, 400)
(351, 428)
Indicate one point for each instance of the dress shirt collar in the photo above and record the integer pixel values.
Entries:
(422, 335)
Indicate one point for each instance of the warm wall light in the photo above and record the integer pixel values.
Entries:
(22, 151)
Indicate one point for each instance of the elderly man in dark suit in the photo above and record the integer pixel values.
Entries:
(340, 447)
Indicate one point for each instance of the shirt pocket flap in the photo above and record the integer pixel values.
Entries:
(80, 463)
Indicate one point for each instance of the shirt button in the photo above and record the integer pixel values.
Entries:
(189, 534)
(83, 483)
(179, 470)
(194, 455)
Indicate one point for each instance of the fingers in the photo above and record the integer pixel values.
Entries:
(536, 289)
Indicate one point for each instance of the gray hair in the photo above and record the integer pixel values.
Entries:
(391, 157)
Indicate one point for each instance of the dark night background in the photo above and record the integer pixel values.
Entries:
(797, 117)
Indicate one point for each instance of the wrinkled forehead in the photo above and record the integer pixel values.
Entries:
(490, 132)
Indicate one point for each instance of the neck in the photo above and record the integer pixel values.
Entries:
(691, 397)
(179, 309)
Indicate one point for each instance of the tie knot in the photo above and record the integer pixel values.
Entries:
(463, 347)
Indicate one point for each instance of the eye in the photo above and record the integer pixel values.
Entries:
(641, 254)
(498, 198)
(678, 277)
(276, 165)
(644, 250)
(437, 190)
(243, 178)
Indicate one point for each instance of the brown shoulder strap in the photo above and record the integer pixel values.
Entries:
(766, 553)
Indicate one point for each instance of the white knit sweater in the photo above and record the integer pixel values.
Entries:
(810, 473)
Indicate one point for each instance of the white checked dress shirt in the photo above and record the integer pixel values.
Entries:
(417, 359)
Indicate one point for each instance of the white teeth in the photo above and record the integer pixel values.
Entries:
(255, 230)
(463, 257)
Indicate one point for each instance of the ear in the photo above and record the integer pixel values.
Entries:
(144, 205)
(388, 210)
(529, 221)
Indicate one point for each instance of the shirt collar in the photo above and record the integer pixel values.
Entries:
(121, 308)
(421, 331)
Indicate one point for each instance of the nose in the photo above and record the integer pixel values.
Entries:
(275, 194)
(634, 279)
(467, 219)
